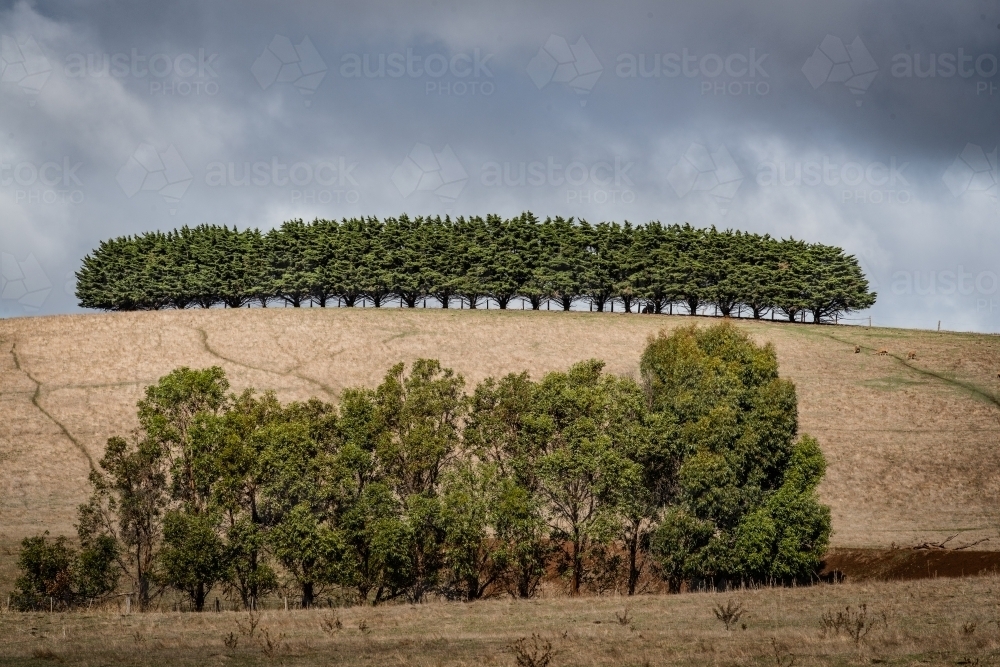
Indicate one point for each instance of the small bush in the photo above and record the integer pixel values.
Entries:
(249, 628)
(270, 645)
(855, 623)
(536, 653)
(46, 654)
(54, 576)
(330, 624)
(46, 574)
(731, 614)
(779, 652)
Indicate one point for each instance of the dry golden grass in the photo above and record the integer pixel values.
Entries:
(911, 445)
(934, 621)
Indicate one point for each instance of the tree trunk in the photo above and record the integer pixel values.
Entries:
(577, 565)
(143, 592)
(633, 555)
(307, 594)
(199, 597)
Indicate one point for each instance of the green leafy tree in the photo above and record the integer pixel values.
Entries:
(46, 573)
(294, 503)
(475, 554)
(473, 259)
(583, 471)
(237, 440)
(505, 430)
(742, 461)
(418, 417)
(130, 494)
(193, 557)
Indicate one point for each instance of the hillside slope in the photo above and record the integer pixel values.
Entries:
(912, 446)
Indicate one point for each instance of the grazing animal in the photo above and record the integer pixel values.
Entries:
(883, 352)
(857, 349)
(912, 354)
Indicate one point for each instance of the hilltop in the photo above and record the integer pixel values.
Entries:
(911, 444)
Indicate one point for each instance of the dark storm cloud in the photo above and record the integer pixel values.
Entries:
(826, 122)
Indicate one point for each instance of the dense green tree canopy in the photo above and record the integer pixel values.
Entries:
(745, 506)
(473, 259)
(695, 473)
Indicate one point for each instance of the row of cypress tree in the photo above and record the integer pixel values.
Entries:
(652, 267)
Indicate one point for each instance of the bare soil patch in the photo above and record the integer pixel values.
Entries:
(908, 564)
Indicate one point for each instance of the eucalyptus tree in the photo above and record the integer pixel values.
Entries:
(745, 506)
(584, 472)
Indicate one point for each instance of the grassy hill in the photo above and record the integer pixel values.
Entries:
(911, 445)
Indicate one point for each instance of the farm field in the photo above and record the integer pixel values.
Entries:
(911, 444)
(927, 622)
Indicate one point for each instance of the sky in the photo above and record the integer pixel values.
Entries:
(868, 125)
